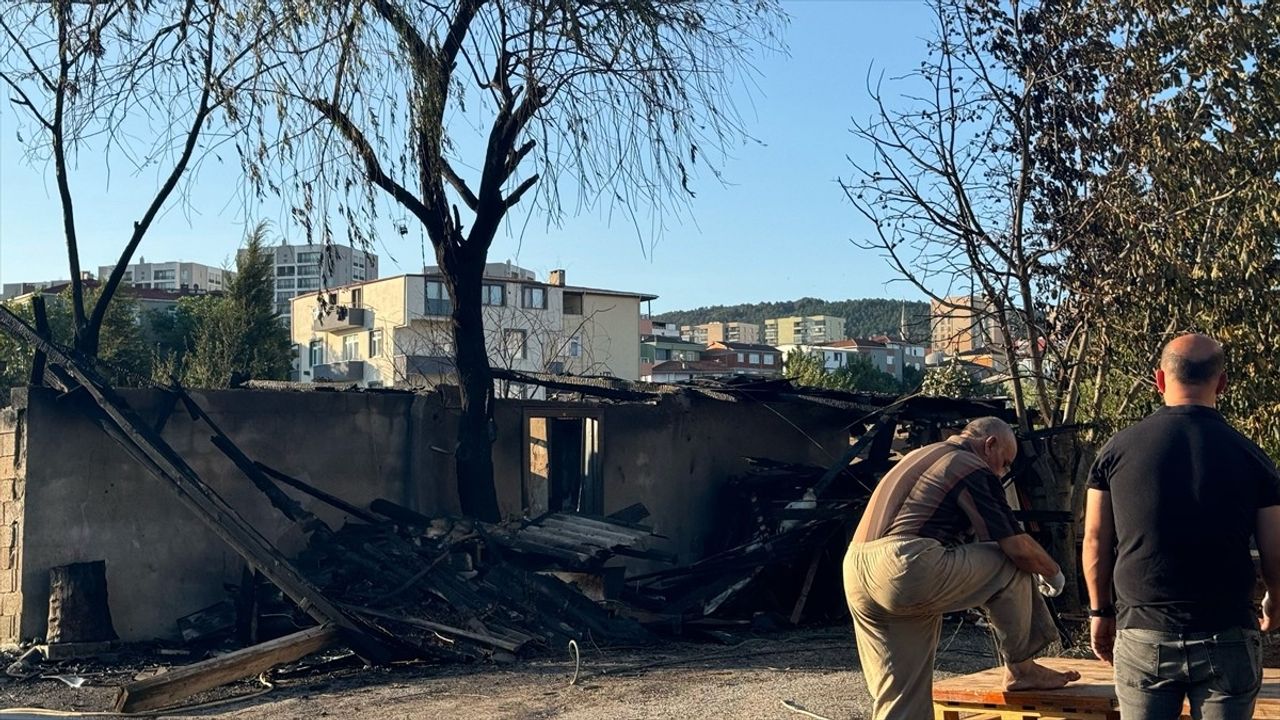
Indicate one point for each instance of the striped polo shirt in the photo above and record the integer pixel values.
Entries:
(943, 491)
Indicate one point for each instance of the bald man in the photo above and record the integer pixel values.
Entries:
(938, 536)
(1172, 504)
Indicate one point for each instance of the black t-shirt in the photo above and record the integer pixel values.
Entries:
(1185, 490)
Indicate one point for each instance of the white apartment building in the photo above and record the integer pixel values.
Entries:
(177, 276)
(305, 269)
(396, 331)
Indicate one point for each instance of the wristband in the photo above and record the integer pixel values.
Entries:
(1106, 612)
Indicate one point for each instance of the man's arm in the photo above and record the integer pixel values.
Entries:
(1268, 539)
(1099, 563)
(1027, 554)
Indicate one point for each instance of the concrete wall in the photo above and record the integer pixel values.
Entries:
(86, 499)
(71, 494)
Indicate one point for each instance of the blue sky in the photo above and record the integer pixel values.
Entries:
(778, 230)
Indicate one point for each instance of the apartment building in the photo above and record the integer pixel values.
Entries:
(305, 269)
(176, 276)
(960, 324)
(13, 290)
(803, 330)
(734, 332)
(397, 331)
(658, 328)
(885, 357)
(913, 354)
(745, 358)
(657, 349)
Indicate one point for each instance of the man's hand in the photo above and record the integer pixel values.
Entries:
(1270, 619)
(1102, 638)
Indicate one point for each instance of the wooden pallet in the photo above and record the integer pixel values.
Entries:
(980, 696)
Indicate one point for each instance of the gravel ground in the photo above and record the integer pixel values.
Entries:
(816, 669)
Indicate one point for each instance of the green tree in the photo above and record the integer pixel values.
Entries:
(911, 379)
(237, 335)
(949, 380)
(859, 375)
(122, 351)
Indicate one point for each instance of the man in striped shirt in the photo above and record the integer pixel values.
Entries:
(938, 536)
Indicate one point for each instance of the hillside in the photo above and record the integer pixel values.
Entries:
(872, 316)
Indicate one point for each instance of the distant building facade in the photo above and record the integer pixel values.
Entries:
(960, 324)
(803, 330)
(13, 290)
(733, 332)
(303, 269)
(175, 276)
(397, 331)
(745, 358)
(657, 349)
(658, 328)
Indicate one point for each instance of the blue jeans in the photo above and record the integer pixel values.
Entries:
(1218, 674)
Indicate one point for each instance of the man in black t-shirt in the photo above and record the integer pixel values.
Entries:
(1173, 503)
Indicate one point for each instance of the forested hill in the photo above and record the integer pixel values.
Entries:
(872, 316)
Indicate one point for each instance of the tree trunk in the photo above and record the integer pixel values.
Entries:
(474, 457)
(78, 610)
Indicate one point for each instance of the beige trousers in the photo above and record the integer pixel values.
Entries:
(898, 589)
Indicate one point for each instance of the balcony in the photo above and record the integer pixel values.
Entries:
(340, 320)
(344, 371)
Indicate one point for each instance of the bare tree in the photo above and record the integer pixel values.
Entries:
(956, 188)
(145, 84)
(457, 111)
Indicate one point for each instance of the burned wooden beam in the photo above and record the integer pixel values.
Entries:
(322, 496)
(42, 329)
(483, 639)
(137, 438)
(171, 688)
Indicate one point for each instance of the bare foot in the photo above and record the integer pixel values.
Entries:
(1029, 675)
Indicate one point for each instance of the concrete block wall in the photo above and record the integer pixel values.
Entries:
(12, 493)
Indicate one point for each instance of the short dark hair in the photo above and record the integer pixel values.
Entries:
(1193, 370)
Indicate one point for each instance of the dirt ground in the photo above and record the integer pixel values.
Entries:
(816, 669)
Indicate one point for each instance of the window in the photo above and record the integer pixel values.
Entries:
(285, 270)
(888, 360)
(754, 359)
(572, 303)
(309, 270)
(308, 257)
(284, 296)
(438, 298)
(163, 275)
(660, 355)
(375, 344)
(316, 353)
(128, 275)
(351, 347)
(741, 358)
(516, 342)
(308, 283)
(285, 284)
(493, 294)
(282, 308)
(357, 297)
(768, 358)
(533, 298)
